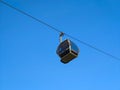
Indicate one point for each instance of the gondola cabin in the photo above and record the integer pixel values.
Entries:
(67, 51)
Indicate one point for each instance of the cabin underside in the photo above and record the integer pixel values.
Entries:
(68, 57)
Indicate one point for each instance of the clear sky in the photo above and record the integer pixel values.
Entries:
(28, 59)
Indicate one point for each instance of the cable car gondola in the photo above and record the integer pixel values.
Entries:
(67, 50)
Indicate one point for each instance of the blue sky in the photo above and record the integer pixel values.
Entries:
(28, 59)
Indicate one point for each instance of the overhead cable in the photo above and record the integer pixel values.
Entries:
(57, 30)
